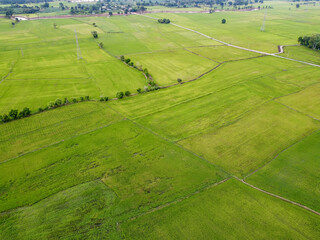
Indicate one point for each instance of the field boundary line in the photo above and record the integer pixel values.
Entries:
(217, 167)
(284, 150)
(279, 197)
(202, 189)
(235, 46)
(58, 142)
(11, 69)
(298, 111)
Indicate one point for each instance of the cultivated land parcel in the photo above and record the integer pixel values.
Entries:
(233, 152)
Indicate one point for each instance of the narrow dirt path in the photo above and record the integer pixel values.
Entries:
(279, 197)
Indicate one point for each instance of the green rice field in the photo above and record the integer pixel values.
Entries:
(216, 136)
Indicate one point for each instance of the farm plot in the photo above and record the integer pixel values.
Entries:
(259, 72)
(166, 67)
(294, 174)
(142, 169)
(230, 210)
(254, 140)
(306, 101)
(302, 53)
(47, 128)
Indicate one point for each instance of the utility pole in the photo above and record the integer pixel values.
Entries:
(264, 21)
(78, 48)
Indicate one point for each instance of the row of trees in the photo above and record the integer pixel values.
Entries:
(164, 20)
(26, 112)
(15, 114)
(130, 63)
(310, 41)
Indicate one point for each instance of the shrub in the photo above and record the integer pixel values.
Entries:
(26, 112)
(5, 118)
(223, 21)
(101, 45)
(179, 80)
(40, 109)
(13, 113)
(58, 102)
(106, 99)
(127, 93)
(74, 100)
(101, 99)
(119, 95)
(87, 98)
(139, 90)
(51, 104)
(94, 34)
(127, 60)
(122, 58)
(81, 99)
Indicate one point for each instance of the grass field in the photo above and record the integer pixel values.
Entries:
(173, 163)
(294, 173)
(228, 211)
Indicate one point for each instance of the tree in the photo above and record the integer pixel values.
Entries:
(65, 101)
(127, 93)
(122, 58)
(61, 6)
(74, 100)
(5, 118)
(139, 90)
(110, 13)
(101, 45)
(51, 104)
(106, 99)
(81, 99)
(54, 25)
(9, 13)
(101, 99)
(26, 112)
(13, 24)
(297, 5)
(87, 98)
(94, 34)
(58, 102)
(119, 95)
(223, 21)
(13, 113)
(127, 60)
(179, 80)
(40, 109)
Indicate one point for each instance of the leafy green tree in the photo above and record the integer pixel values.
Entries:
(223, 21)
(13, 114)
(74, 100)
(101, 45)
(122, 58)
(101, 99)
(58, 102)
(179, 80)
(65, 101)
(87, 98)
(119, 95)
(94, 34)
(9, 13)
(297, 5)
(5, 118)
(106, 99)
(40, 109)
(81, 99)
(127, 60)
(26, 112)
(127, 93)
(51, 104)
(139, 90)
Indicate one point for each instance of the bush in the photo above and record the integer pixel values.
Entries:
(94, 34)
(65, 101)
(101, 99)
(58, 102)
(5, 118)
(179, 80)
(13, 114)
(119, 95)
(106, 99)
(223, 21)
(74, 100)
(87, 98)
(127, 93)
(127, 60)
(81, 99)
(139, 90)
(40, 109)
(122, 58)
(51, 104)
(26, 112)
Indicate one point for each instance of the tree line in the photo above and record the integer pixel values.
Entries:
(164, 20)
(310, 41)
(26, 112)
